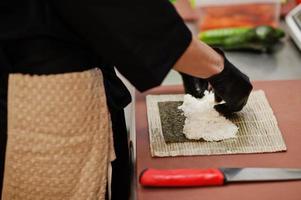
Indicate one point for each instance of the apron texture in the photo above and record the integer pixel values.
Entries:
(59, 144)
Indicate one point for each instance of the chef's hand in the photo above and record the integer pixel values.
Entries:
(194, 86)
(232, 86)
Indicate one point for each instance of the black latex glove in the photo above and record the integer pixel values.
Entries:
(232, 86)
(194, 86)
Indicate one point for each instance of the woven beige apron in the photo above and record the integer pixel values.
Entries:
(59, 137)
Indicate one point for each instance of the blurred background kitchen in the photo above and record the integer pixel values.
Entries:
(267, 58)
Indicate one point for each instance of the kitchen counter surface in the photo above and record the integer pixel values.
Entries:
(285, 100)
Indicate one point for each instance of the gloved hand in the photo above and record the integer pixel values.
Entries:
(232, 86)
(194, 86)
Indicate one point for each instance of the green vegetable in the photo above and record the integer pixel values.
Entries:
(261, 38)
(192, 2)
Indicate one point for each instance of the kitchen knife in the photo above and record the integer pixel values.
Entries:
(215, 177)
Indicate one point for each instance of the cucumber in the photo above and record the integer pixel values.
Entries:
(259, 38)
(268, 33)
(220, 34)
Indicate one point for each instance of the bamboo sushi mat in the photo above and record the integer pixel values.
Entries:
(258, 129)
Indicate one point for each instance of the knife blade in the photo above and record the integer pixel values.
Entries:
(215, 177)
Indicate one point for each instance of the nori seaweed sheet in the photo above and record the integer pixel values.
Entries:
(172, 121)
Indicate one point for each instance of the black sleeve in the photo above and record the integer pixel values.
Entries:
(143, 39)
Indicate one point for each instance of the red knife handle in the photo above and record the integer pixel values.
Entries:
(181, 177)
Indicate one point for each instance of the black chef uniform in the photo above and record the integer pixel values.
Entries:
(142, 39)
